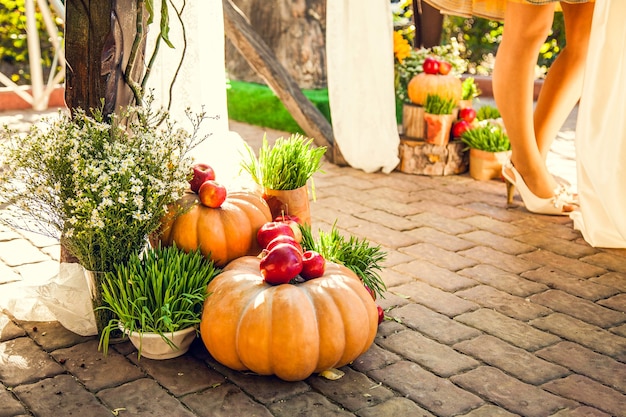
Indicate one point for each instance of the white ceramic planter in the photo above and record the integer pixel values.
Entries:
(152, 345)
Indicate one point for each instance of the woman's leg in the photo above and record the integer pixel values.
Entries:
(525, 30)
(563, 84)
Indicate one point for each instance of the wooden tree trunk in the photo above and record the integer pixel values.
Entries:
(295, 32)
(98, 39)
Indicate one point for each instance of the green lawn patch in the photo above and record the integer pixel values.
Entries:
(257, 105)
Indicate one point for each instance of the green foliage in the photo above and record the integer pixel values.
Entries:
(287, 165)
(160, 292)
(470, 89)
(402, 12)
(490, 138)
(356, 254)
(258, 105)
(479, 40)
(437, 105)
(487, 112)
(102, 186)
(13, 41)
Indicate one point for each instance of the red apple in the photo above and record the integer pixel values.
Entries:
(293, 222)
(444, 67)
(381, 314)
(460, 127)
(282, 264)
(283, 239)
(212, 194)
(270, 230)
(431, 66)
(201, 173)
(468, 114)
(313, 265)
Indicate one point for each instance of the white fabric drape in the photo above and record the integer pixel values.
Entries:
(601, 131)
(200, 85)
(359, 53)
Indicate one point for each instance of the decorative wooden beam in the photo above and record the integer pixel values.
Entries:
(262, 59)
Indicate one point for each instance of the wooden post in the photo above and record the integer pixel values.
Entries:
(262, 59)
(98, 39)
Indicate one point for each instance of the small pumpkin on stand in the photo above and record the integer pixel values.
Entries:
(223, 233)
(434, 80)
(448, 86)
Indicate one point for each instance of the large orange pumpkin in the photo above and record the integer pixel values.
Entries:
(288, 330)
(223, 233)
(446, 86)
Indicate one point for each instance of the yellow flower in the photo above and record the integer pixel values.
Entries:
(401, 47)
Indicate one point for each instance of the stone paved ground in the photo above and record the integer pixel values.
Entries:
(491, 311)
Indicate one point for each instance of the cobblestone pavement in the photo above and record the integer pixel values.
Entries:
(491, 311)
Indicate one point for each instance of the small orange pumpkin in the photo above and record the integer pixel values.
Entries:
(288, 330)
(223, 233)
(446, 86)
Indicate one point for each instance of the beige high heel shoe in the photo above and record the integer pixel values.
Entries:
(552, 206)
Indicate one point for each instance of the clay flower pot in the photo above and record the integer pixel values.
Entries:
(289, 202)
(484, 165)
(437, 128)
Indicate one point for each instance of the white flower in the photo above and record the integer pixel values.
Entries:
(138, 200)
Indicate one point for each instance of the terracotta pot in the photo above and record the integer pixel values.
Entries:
(463, 104)
(291, 202)
(485, 165)
(437, 128)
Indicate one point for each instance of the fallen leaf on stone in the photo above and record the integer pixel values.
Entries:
(332, 374)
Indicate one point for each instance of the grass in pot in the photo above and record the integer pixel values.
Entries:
(489, 149)
(282, 171)
(157, 297)
(438, 119)
(487, 112)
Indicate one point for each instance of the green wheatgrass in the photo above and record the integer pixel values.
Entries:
(287, 165)
(488, 138)
(160, 291)
(356, 254)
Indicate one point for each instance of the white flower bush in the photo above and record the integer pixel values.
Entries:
(101, 187)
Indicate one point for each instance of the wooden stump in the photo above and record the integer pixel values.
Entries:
(419, 157)
(413, 121)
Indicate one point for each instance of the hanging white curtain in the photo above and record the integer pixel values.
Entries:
(601, 131)
(200, 85)
(359, 53)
